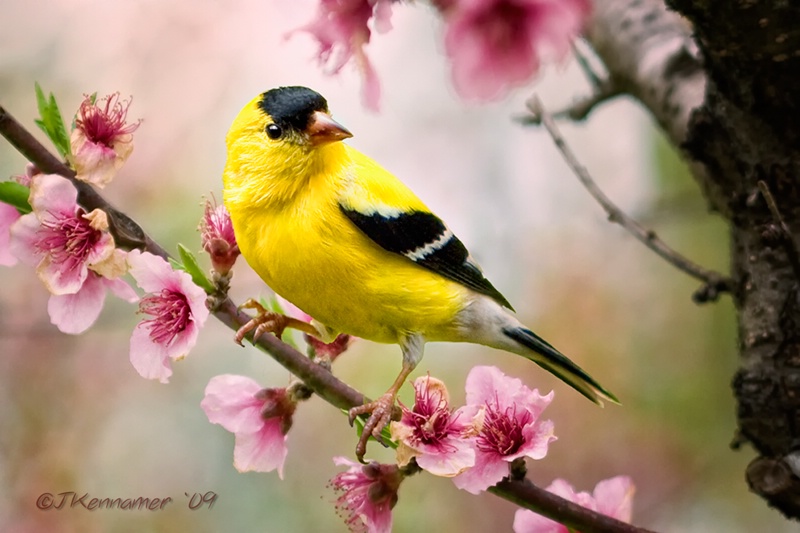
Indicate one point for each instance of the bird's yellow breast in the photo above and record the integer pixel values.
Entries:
(308, 252)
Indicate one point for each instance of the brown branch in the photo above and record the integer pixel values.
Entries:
(714, 283)
(315, 376)
(527, 495)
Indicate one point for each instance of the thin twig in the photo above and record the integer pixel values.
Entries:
(714, 283)
(576, 111)
(786, 238)
(315, 376)
(604, 88)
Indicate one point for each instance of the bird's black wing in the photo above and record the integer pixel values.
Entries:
(423, 238)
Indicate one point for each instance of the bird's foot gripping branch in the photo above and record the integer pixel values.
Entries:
(52, 219)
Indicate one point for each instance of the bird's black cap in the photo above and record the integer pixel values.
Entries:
(292, 107)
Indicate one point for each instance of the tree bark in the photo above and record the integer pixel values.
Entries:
(741, 129)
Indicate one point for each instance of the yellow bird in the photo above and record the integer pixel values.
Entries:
(330, 230)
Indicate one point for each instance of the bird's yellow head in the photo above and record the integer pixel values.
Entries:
(278, 142)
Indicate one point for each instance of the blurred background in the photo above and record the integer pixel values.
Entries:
(75, 416)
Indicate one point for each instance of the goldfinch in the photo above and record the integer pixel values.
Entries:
(330, 230)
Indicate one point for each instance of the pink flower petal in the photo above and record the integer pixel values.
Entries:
(496, 45)
(487, 472)
(75, 313)
(53, 193)
(487, 384)
(121, 289)
(446, 462)
(526, 521)
(614, 497)
(342, 29)
(151, 272)
(230, 402)
(149, 359)
(262, 451)
(8, 216)
(23, 234)
(371, 89)
(183, 342)
(537, 439)
(60, 280)
(196, 297)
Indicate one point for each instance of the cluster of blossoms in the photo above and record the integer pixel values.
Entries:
(474, 445)
(493, 45)
(75, 255)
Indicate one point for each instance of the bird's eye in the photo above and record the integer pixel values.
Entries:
(274, 131)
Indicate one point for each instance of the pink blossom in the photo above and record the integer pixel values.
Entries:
(259, 419)
(342, 26)
(102, 139)
(367, 494)
(61, 239)
(506, 413)
(219, 241)
(73, 253)
(8, 215)
(495, 45)
(178, 308)
(431, 433)
(612, 497)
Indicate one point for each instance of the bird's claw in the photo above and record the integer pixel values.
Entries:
(265, 321)
(380, 415)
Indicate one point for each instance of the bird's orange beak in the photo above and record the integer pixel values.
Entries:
(323, 129)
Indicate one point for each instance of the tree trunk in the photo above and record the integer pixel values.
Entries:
(742, 130)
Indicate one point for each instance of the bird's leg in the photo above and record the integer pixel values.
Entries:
(381, 409)
(269, 321)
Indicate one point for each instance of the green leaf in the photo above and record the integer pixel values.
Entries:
(385, 433)
(15, 194)
(191, 266)
(176, 265)
(51, 122)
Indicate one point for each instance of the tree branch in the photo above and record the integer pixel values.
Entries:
(315, 376)
(527, 495)
(714, 282)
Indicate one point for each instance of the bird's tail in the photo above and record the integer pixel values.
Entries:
(538, 350)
